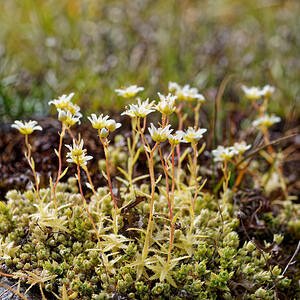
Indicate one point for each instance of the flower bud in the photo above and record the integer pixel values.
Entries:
(103, 133)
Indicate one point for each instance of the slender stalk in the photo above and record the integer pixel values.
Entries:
(152, 179)
(194, 146)
(258, 108)
(196, 112)
(29, 158)
(105, 144)
(144, 141)
(164, 164)
(173, 177)
(132, 150)
(72, 135)
(63, 129)
(84, 201)
(85, 169)
(90, 180)
(226, 177)
(180, 125)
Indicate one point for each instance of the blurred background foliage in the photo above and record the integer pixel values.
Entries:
(91, 47)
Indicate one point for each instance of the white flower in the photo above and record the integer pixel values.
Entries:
(77, 155)
(104, 123)
(267, 91)
(177, 138)
(27, 127)
(224, 154)
(98, 122)
(191, 135)
(166, 104)
(112, 125)
(173, 87)
(104, 133)
(189, 94)
(62, 102)
(68, 118)
(73, 108)
(265, 121)
(142, 109)
(129, 92)
(252, 93)
(241, 147)
(159, 134)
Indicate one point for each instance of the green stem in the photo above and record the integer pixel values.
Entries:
(63, 129)
(180, 125)
(173, 177)
(32, 167)
(104, 143)
(85, 169)
(195, 174)
(227, 177)
(152, 178)
(151, 171)
(135, 137)
(164, 164)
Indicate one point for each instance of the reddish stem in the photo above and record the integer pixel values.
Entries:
(59, 162)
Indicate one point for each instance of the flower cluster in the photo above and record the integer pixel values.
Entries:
(254, 93)
(191, 135)
(265, 121)
(142, 109)
(185, 93)
(77, 154)
(129, 92)
(159, 134)
(104, 124)
(241, 147)
(166, 104)
(27, 127)
(177, 138)
(226, 153)
(68, 112)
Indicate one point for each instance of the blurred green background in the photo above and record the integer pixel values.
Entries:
(91, 47)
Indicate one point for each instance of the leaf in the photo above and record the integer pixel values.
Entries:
(201, 149)
(158, 179)
(104, 175)
(140, 178)
(124, 173)
(63, 173)
(124, 181)
(89, 186)
(182, 157)
(32, 163)
(136, 156)
(162, 191)
(175, 218)
(51, 184)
